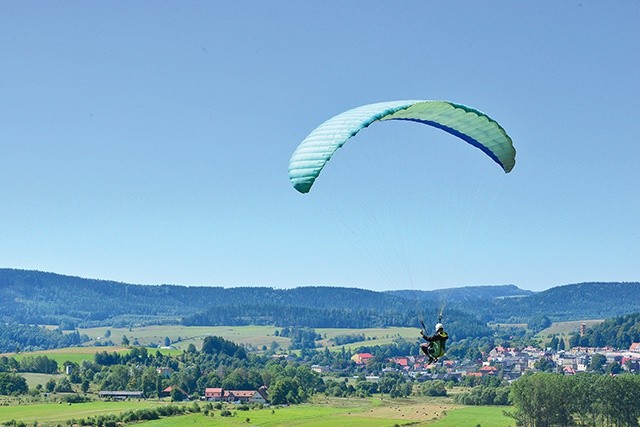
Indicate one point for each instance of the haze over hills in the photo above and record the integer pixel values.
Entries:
(34, 297)
(466, 293)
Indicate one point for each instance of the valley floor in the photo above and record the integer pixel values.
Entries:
(322, 411)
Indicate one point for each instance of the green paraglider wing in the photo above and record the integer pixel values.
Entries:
(471, 125)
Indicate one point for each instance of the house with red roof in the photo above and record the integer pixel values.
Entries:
(488, 370)
(217, 394)
(404, 362)
(214, 394)
(362, 358)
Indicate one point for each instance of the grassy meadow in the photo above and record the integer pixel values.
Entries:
(322, 411)
(71, 354)
(54, 413)
(374, 336)
(182, 336)
(565, 328)
(256, 337)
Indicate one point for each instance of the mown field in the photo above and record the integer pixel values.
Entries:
(374, 336)
(322, 411)
(71, 354)
(255, 336)
(565, 328)
(54, 413)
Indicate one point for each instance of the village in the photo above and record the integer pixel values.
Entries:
(505, 363)
(511, 363)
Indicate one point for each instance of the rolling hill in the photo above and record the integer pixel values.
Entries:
(34, 297)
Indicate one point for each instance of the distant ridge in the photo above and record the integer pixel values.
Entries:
(466, 293)
(591, 300)
(34, 297)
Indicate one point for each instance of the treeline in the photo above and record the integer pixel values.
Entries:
(545, 399)
(348, 339)
(278, 315)
(320, 317)
(12, 384)
(37, 364)
(459, 324)
(15, 338)
(485, 394)
(392, 384)
(300, 337)
(135, 415)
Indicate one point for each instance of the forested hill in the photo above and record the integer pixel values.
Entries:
(32, 297)
(35, 297)
(596, 300)
(510, 304)
(619, 332)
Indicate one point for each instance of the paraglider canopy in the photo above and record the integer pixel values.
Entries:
(466, 123)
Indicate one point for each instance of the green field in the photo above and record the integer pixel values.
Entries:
(352, 412)
(35, 379)
(323, 411)
(565, 328)
(486, 416)
(253, 336)
(54, 413)
(374, 336)
(71, 354)
(182, 336)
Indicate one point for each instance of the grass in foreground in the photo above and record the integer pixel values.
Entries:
(61, 412)
(331, 412)
(323, 411)
(485, 416)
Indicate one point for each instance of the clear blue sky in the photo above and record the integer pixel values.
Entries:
(148, 142)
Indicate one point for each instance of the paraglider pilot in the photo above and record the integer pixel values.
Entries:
(434, 348)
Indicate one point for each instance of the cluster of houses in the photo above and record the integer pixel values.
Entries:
(508, 362)
(210, 395)
(511, 363)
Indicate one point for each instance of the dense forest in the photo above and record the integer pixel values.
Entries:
(47, 298)
(34, 297)
(15, 338)
(545, 399)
